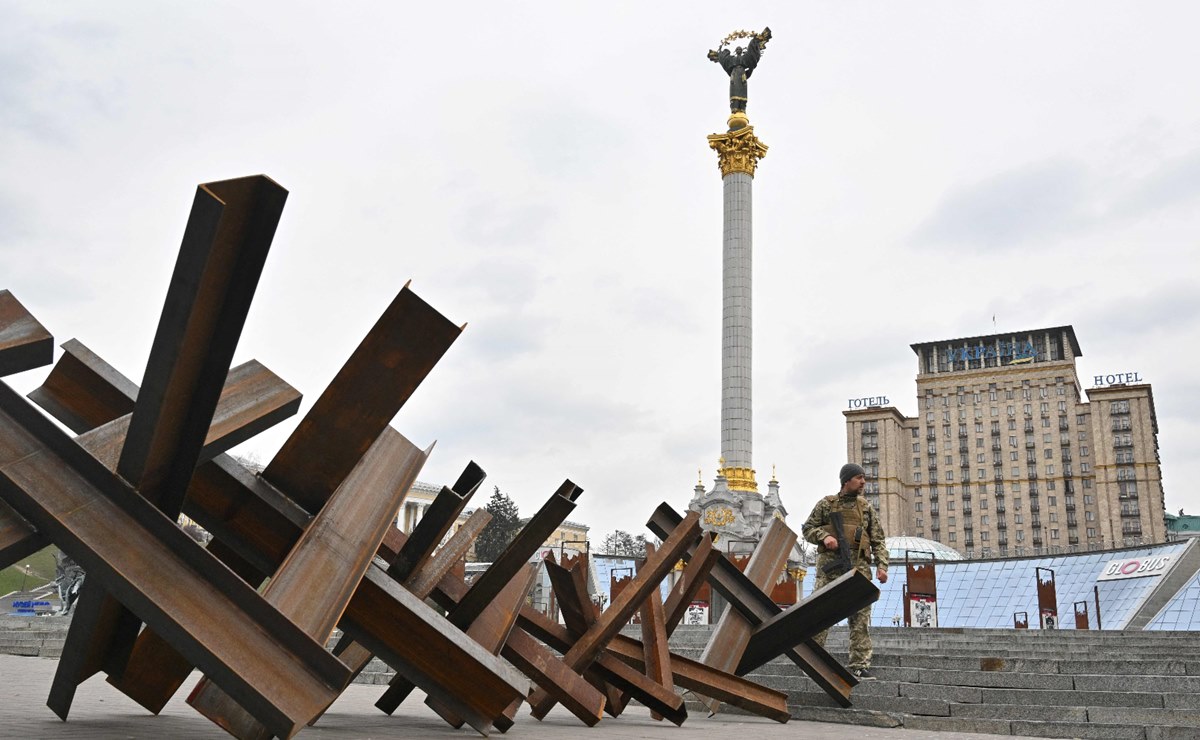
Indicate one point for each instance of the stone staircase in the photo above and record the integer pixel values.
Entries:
(37, 637)
(1065, 683)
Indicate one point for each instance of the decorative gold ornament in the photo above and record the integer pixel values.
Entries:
(738, 151)
(719, 517)
(763, 38)
(740, 479)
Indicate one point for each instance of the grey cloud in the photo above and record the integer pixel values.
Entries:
(1177, 181)
(827, 363)
(1012, 209)
(495, 223)
(505, 336)
(1171, 306)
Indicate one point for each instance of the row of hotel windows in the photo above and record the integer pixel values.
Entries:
(994, 389)
(1010, 410)
(1015, 472)
(1064, 440)
(1046, 347)
(1020, 534)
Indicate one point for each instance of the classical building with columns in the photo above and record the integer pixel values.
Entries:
(1009, 455)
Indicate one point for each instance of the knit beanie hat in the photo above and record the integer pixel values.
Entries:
(849, 470)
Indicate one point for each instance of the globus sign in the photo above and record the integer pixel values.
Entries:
(1135, 568)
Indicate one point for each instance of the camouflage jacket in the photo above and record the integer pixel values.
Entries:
(816, 528)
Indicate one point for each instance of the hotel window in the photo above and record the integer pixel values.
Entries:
(1012, 410)
(1087, 482)
(1045, 391)
(954, 537)
(995, 411)
(1049, 454)
(1119, 407)
(976, 397)
(981, 457)
(1083, 451)
(916, 462)
(981, 474)
(1046, 422)
(950, 507)
(983, 499)
(1012, 440)
(992, 394)
(1089, 516)
(920, 522)
(1008, 394)
(1020, 535)
(979, 427)
(919, 506)
(1054, 516)
(983, 537)
(1083, 468)
(1083, 436)
(917, 479)
(1047, 438)
(916, 446)
(1045, 407)
(1025, 393)
(1054, 534)
(916, 432)
(1028, 409)
(978, 442)
(949, 475)
(1062, 391)
(1062, 406)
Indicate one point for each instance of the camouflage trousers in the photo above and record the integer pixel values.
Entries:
(860, 621)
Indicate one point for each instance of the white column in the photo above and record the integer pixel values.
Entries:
(736, 334)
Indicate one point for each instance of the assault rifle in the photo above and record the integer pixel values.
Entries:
(843, 563)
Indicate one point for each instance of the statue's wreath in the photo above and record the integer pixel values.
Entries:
(762, 39)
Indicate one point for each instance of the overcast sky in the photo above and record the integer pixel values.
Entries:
(540, 172)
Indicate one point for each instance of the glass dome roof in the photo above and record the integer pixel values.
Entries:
(919, 548)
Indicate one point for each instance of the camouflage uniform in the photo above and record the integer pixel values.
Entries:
(871, 542)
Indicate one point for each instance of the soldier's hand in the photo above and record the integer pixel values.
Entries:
(830, 542)
(881, 575)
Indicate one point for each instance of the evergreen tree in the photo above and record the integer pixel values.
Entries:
(505, 523)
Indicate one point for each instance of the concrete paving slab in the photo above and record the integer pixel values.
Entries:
(100, 712)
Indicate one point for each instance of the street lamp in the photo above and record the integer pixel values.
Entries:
(24, 577)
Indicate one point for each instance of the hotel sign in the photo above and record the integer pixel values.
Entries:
(1015, 352)
(1117, 379)
(868, 402)
(1135, 568)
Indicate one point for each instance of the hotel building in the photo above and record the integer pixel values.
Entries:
(1007, 457)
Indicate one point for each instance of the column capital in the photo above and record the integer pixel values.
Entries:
(738, 151)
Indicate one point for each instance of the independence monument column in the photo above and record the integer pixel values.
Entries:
(734, 508)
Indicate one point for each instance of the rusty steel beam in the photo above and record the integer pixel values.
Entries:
(24, 342)
(213, 617)
(224, 248)
(703, 558)
(225, 245)
(320, 575)
(533, 659)
(589, 646)
(255, 397)
(732, 635)
(699, 678)
(531, 537)
(654, 639)
(436, 522)
(757, 607)
(612, 678)
(491, 631)
(425, 648)
(83, 391)
(822, 609)
(18, 539)
(369, 390)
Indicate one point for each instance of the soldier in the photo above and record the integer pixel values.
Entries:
(865, 537)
